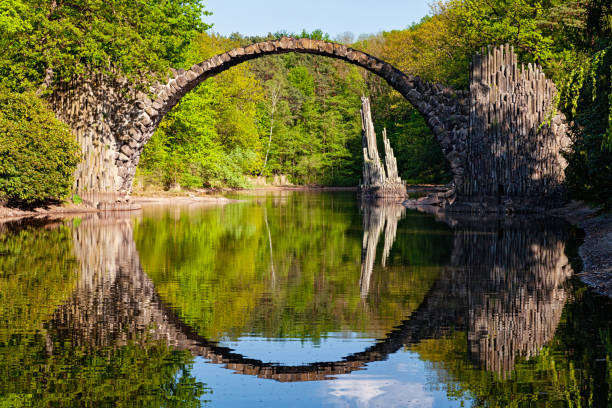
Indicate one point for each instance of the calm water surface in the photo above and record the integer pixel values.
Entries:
(298, 299)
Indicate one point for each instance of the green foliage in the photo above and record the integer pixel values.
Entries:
(37, 273)
(76, 199)
(144, 375)
(418, 153)
(316, 132)
(586, 97)
(71, 38)
(211, 138)
(38, 153)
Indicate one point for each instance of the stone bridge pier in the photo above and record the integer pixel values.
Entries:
(501, 137)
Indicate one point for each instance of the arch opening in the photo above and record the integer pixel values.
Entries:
(443, 109)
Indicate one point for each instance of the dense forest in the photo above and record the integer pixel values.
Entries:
(292, 115)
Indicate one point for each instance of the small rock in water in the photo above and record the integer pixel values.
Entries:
(429, 200)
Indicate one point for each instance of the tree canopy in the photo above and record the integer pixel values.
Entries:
(133, 38)
(38, 153)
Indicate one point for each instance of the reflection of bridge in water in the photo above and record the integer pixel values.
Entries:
(504, 287)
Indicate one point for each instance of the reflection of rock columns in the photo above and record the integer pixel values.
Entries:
(504, 288)
(376, 216)
(109, 305)
(515, 277)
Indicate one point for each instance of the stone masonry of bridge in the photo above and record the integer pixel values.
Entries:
(113, 121)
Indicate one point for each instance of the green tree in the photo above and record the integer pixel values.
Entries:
(44, 37)
(317, 131)
(38, 153)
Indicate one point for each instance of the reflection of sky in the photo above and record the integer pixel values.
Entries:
(401, 381)
(379, 391)
(292, 351)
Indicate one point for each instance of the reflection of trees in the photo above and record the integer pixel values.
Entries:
(38, 271)
(88, 354)
(222, 260)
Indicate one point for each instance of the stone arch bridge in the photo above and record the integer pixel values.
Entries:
(491, 134)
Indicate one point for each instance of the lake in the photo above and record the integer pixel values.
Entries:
(298, 299)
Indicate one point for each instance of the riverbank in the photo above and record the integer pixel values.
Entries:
(596, 250)
(8, 214)
(214, 191)
(11, 214)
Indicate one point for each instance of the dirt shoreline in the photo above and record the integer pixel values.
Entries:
(11, 214)
(595, 251)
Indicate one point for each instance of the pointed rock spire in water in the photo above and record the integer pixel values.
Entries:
(376, 181)
(373, 171)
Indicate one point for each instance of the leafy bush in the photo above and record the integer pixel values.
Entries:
(38, 154)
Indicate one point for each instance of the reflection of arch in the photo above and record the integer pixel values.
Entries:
(116, 302)
(445, 110)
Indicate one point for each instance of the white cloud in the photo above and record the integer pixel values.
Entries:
(378, 391)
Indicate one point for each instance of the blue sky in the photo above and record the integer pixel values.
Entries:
(252, 17)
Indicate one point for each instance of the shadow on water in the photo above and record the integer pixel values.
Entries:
(502, 318)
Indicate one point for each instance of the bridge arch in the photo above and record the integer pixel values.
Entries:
(503, 137)
(444, 109)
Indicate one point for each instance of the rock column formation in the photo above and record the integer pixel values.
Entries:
(102, 114)
(376, 181)
(516, 135)
(390, 161)
(511, 161)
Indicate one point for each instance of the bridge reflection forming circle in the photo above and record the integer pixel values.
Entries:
(504, 286)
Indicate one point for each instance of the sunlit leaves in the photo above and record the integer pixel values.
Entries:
(38, 153)
(132, 38)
